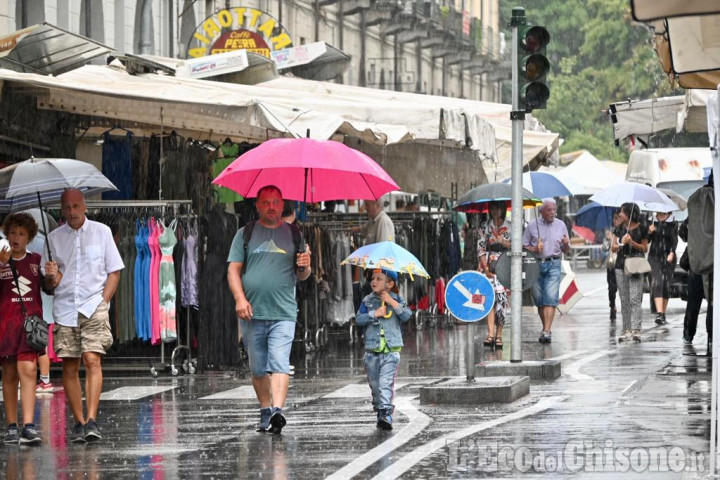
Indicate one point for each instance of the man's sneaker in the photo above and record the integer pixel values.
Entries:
(29, 436)
(92, 432)
(625, 337)
(78, 433)
(13, 434)
(277, 421)
(687, 341)
(265, 414)
(43, 387)
(636, 336)
(384, 420)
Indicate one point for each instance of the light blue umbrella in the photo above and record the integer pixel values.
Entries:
(547, 184)
(387, 255)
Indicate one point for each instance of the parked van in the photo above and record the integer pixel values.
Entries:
(656, 165)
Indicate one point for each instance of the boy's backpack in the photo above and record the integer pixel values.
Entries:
(701, 229)
(247, 235)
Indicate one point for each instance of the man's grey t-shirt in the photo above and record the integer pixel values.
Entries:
(269, 279)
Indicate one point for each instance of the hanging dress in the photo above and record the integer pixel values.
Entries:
(139, 290)
(189, 287)
(168, 289)
(155, 255)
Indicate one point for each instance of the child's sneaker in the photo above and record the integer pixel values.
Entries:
(277, 420)
(43, 387)
(13, 434)
(29, 436)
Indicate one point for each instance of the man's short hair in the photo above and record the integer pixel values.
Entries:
(288, 208)
(547, 202)
(268, 188)
(67, 191)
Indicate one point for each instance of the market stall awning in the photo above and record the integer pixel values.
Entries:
(313, 61)
(648, 10)
(48, 50)
(483, 126)
(682, 113)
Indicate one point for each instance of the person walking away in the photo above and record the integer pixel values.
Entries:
(382, 312)
(631, 241)
(548, 238)
(494, 238)
(83, 276)
(20, 281)
(262, 276)
(695, 295)
(663, 239)
(610, 265)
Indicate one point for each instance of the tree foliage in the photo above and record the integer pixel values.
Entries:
(598, 56)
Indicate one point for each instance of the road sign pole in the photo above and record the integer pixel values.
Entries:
(518, 123)
(470, 352)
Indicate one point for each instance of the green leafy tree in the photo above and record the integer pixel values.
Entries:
(598, 56)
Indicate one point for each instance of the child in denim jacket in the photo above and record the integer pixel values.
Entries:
(383, 311)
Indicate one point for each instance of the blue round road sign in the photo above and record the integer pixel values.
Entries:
(469, 296)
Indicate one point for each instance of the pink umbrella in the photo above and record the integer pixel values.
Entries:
(307, 170)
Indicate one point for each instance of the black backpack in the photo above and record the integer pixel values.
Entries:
(247, 235)
(701, 230)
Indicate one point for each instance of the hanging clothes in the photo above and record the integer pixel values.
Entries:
(168, 290)
(227, 153)
(189, 286)
(117, 165)
(155, 255)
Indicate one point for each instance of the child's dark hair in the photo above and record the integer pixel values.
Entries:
(631, 211)
(24, 220)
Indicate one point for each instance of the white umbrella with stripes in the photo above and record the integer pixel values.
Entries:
(41, 181)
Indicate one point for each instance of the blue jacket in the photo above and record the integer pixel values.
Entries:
(366, 316)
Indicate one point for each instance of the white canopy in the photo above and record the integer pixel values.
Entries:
(592, 175)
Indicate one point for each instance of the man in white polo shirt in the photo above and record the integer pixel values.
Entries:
(83, 277)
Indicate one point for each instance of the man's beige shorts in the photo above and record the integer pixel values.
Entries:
(91, 335)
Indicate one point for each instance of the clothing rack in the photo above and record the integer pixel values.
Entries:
(162, 205)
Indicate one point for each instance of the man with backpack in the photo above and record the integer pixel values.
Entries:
(266, 259)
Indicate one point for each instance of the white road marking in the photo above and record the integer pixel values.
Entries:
(355, 390)
(411, 459)
(246, 392)
(574, 353)
(573, 370)
(416, 424)
(632, 384)
(132, 393)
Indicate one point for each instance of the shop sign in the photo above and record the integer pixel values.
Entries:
(300, 55)
(238, 28)
(229, 62)
(9, 42)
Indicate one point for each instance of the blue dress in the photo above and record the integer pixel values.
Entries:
(139, 286)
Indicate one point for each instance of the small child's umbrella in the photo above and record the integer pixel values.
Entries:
(387, 255)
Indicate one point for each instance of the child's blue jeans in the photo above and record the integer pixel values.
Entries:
(381, 370)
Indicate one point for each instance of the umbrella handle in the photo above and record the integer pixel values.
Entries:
(388, 314)
(45, 230)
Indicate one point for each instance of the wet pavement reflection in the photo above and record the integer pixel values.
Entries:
(618, 409)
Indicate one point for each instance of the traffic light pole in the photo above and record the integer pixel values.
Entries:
(518, 124)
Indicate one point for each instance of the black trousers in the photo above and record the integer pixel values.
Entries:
(692, 311)
(612, 287)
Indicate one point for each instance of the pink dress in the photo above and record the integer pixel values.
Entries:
(155, 255)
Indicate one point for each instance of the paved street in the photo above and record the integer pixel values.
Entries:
(637, 409)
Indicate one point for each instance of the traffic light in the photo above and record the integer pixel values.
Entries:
(533, 66)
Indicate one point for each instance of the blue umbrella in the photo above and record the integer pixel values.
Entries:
(547, 184)
(387, 255)
(594, 216)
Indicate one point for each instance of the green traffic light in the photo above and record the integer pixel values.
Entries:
(533, 66)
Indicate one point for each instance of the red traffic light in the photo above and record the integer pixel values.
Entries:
(534, 39)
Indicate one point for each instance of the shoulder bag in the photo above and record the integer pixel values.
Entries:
(36, 329)
(636, 266)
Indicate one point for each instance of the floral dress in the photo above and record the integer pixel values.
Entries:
(491, 248)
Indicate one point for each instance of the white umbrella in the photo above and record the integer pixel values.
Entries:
(43, 180)
(632, 192)
(655, 207)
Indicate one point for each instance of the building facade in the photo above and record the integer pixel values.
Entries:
(452, 48)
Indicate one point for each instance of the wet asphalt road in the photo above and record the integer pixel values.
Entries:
(617, 411)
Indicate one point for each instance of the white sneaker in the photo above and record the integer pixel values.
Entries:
(625, 337)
